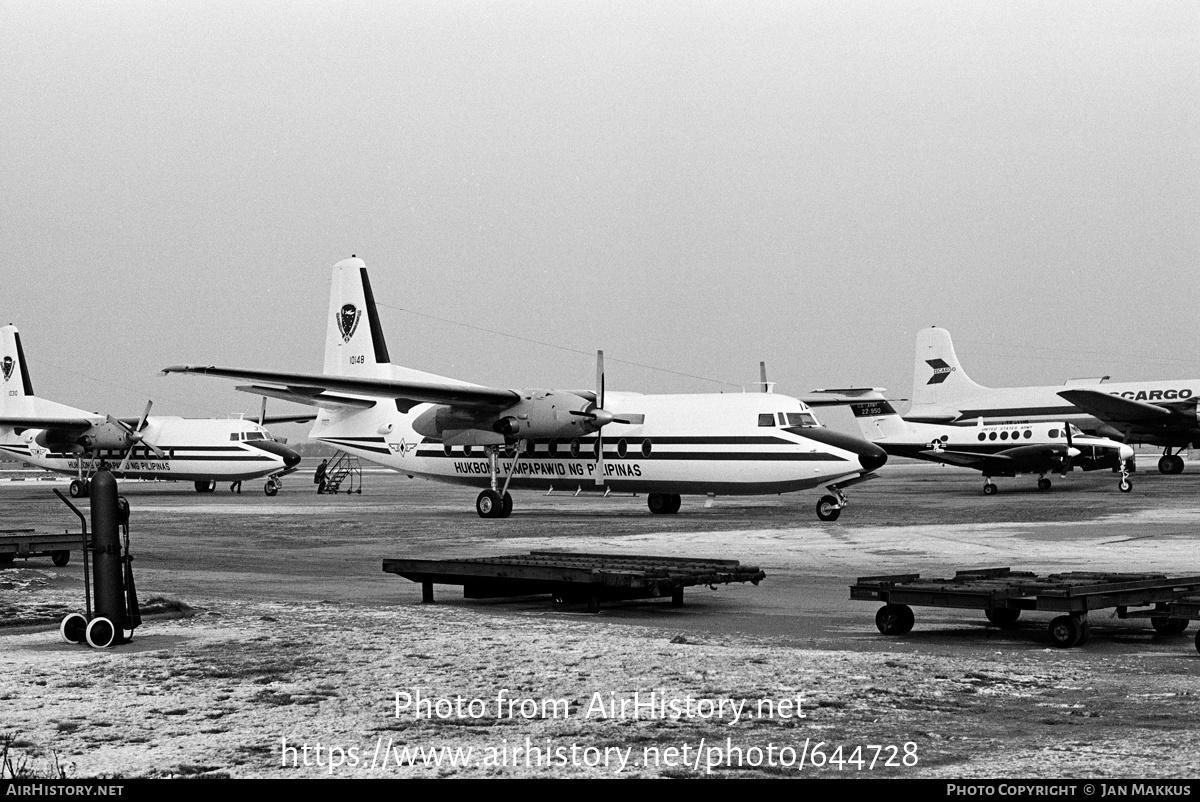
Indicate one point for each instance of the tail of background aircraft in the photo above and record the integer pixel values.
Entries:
(938, 378)
(14, 374)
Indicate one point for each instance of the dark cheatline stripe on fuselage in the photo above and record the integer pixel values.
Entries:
(733, 456)
(1015, 412)
(350, 442)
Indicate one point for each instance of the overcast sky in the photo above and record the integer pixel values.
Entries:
(691, 186)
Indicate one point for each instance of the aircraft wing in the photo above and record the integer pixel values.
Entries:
(49, 423)
(969, 459)
(1116, 410)
(320, 390)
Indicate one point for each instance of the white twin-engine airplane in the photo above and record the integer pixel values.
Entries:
(76, 442)
(1000, 449)
(1160, 413)
(574, 440)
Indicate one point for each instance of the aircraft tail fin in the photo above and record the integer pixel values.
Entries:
(938, 378)
(354, 343)
(878, 419)
(14, 372)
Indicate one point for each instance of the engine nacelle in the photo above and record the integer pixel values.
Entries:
(539, 415)
(98, 436)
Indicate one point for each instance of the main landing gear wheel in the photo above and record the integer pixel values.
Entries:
(1068, 630)
(1169, 626)
(990, 489)
(894, 619)
(1003, 617)
(73, 628)
(1170, 464)
(78, 489)
(828, 509)
(489, 504)
(1043, 484)
(206, 486)
(663, 503)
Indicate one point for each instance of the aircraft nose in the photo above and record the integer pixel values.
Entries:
(871, 456)
(290, 458)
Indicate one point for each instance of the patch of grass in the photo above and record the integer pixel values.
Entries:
(18, 766)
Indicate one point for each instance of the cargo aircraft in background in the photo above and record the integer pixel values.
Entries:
(1158, 413)
(665, 446)
(998, 449)
(76, 442)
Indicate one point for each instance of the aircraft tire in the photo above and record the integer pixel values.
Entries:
(1198, 641)
(1125, 485)
(489, 504)
(894, 619)
(101, 633)
(271, 488)
(990, 490)
(1169, 626)
(206, 486)
(1043, 484)
(78, 489)
(1003, 617)
(506, 505)
(828, 509)
(1066, 631)
(73, 628)
(676, 503)
(61, 557)
(659, 503)
(1170, 464)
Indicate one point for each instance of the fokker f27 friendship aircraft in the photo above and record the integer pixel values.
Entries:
(1160, 413)
(575, 440)
(76, 442)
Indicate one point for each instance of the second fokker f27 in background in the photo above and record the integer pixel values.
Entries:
(664, 446)
(1159, 413)
(76, 442)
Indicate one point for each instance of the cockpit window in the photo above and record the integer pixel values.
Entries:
(233, 436)
(255, 436)
(766, 419)
(801, 419)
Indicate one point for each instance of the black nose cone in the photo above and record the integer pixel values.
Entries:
(871, 456)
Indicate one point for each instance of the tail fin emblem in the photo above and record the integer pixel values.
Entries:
(7, 367)
(941, 371)
(347, 321)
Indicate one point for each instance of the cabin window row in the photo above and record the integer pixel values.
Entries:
(1015, 435)
(574, 448)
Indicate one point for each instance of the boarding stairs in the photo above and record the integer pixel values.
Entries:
(343, 469)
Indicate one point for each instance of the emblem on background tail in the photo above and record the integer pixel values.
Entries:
(941, 371)
(347, 321)
(7, 367)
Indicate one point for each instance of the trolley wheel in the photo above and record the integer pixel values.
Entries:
(1043, 484)
(506, 505)
(1125, 486)
(659, 503)
(990, 489)
(894, 619)
(78, 488)
(1169, 626)
(73, 628)
(1067, 631)
(5, 559)
(271, 488)
(828, 509)
(489, 504)
(1002, 616)
(61, 558)
(101, 633)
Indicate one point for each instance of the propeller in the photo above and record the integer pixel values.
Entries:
(135, 436)
(1072, 451)
(601, 417)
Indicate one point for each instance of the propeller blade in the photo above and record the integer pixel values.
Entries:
(599, 458)
(262, 412)
(600, 379)
(596, 417)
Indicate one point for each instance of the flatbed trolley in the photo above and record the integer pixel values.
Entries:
(26, 543)
(571, 576)
(1002, 594)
